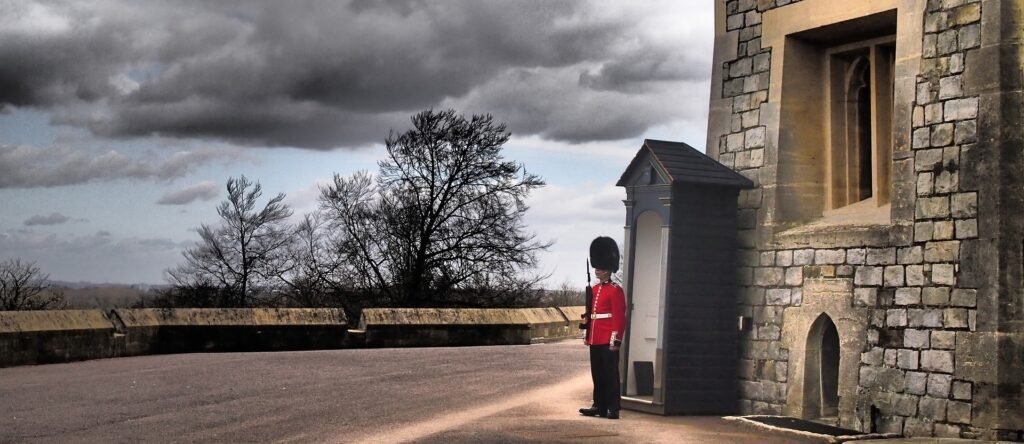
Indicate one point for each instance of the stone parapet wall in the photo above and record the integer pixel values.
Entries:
(426, 327)
(39, 337)
(151, 331)
(30, 337)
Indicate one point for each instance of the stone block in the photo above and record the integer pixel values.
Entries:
(768, 276)
(762, 62)
(958, 412)
(947, 182)
(769, 332)
(741, 67)
(797, 297)
(865, 297)
(966, 132)
(913, 338)
(885, 378)
(935, 296)
(966, 14)
(803, 257)
(932, 408)
(915, 383)
(967, 229)
(829, 257)
(750, 159)
(889, 357)
(844, 271)
(943, 274)
(932, 208)
(915, 275)
(734, 22)
(947, 42)
(778, 296)
(794, 276)
(907, 359)
(939, 385)
(918, 426)
(942, 230)
(868, 276)
(960, 109)
(946, 251)
(964, 297)
(784, 258)
(962, 390)
(908, 296)
(923, 232)
(734, 142)
(767, 259)
(937, 361)
(955, 318)
(905, 405)
(941, 135)
(950, 87)
(965, 205)
(970, 36)
(943, 340)
(881, 256)
(910, 255)
(927, 160)
(922, 136)
(893, 276)
(925, 184)
(856, 256)
(924, 318)
(896, 318)
(872, 357)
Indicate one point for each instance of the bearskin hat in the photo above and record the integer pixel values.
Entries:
(604, 254)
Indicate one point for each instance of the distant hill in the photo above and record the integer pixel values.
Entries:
(87, 295)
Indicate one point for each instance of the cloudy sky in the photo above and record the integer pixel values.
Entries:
(120, 121)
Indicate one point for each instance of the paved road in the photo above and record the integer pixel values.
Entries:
(338, 395)
(430, 395)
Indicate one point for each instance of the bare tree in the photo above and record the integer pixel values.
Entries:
(241, 257)
(24, 287)
(442, 220)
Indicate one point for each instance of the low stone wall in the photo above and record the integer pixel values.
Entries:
(427, 327)
(549, 324)
(151, 331)
(41, 337)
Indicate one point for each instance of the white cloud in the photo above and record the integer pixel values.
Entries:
(52, 219)
(25, 166)
(202, 191)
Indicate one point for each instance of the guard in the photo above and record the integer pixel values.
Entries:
(605, 327)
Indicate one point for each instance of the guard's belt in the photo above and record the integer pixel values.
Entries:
(600, 316)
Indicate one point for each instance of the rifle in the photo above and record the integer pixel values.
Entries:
(588, 301)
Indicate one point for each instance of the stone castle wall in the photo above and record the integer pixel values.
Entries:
(915, 299)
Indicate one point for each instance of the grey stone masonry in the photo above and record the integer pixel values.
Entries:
(914, 285)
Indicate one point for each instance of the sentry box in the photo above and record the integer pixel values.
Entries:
(680, 350)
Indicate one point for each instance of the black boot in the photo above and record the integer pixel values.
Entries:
(593, 411)
(613, 414)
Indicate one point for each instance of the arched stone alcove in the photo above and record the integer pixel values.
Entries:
(825, 336)
(821, 369)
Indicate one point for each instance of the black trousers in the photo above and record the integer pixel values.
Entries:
(604, 369)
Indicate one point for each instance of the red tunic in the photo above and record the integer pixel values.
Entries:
(608, 316)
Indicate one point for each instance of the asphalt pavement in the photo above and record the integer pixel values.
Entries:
(507, 394)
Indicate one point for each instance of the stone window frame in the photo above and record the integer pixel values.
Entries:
(845, 149)
(792, 213)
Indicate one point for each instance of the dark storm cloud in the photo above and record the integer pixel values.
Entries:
(52, 219)
(202, 191)
(322, 74)
(30, 167)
